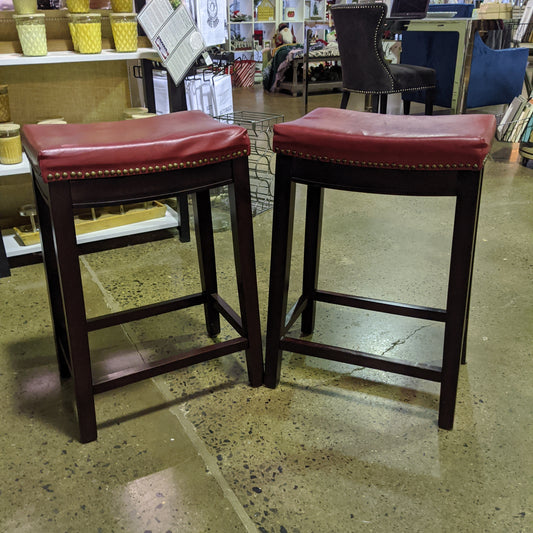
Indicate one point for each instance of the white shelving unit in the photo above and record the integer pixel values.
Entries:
(299, 14)
(8, 60)
(15, 170)
(171, 218)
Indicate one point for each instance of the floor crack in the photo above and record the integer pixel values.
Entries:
(403, 341)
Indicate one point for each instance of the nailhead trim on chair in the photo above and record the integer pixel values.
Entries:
(420, 166)
(395, 91)
(77, 174)
(380, 58)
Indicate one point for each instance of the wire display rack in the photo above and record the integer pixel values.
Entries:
(261, 159)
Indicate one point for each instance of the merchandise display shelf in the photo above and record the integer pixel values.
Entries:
(170, 220)
(19, 168)
(74, 57)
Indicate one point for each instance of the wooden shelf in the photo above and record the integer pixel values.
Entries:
(66, 56)
(170, 220)
(19, 168)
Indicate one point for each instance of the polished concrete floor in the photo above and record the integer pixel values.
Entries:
(335, 448)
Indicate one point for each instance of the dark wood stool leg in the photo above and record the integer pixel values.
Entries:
(313, 231)
(53, 284)
(4, 263)
(244, 253)
(465, 335)
(282, 229)
(185, 227)
(458, 289)
(62, 218)
(203, 226)
(406, 107)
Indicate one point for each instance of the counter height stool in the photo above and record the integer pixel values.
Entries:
(101, 164)
(381, 154)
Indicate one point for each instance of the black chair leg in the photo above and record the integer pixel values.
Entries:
(383, 104)
(345, 98)
(428, 107)
(406, 107)
(313, 230)
(375, 103)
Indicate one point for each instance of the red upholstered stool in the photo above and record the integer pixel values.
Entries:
(100, 164)
(383, 154)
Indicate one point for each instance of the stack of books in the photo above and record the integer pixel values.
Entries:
(517, 122)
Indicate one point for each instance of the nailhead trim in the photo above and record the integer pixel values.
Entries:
(57, 176)
(381, 59)
(352, 163)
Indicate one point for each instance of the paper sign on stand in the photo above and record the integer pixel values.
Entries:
(173, 34)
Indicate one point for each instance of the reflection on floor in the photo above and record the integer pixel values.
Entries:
(335, 448)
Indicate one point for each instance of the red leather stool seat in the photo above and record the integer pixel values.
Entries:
(379, 154)
(104, 149)
(111, 163)
(388, 141)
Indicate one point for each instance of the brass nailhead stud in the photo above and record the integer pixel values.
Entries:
(151, 169)
(106, 172)
(164, 167)
(143, 169)
(100, 173)
(93, 173)
(112, 173)
(50, 176)
(182, 164)
(119, 172)
(73, 174)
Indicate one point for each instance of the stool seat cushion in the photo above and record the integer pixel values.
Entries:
(396, 141)
(154, 144)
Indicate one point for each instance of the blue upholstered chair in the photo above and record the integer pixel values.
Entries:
(496, 76)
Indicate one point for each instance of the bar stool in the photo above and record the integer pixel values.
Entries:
(102, 164)
(381, 154)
